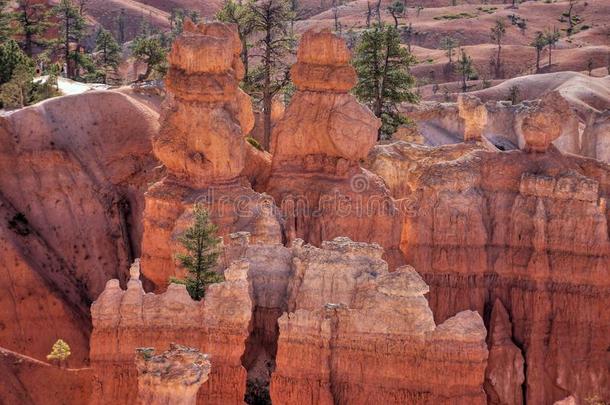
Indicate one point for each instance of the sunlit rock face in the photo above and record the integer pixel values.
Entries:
(316, 179)
(525, 229)
(355, 333)
(205, 116)
(172, 377)
(201, 143)
(124, 320)
(72, 173)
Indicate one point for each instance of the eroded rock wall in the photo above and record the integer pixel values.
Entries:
(72, 173)
(355, 333)
(124, 320)
(529, 230)
(201, 142)
(316, 179)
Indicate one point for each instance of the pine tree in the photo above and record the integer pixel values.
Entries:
(33, 21)
(271, 18)
(201, 245)
(109, 52)
(71, 29)
(120, 23)
(551, 38)
(11, 56)
(151, 51)
(538, 43)
(6, 31)
(15, 93)
(177, 17)
(60, 351)
(449, 44)
(497, 33)
(396, 9)
(465, 68)
(384, 80)
(240, 14)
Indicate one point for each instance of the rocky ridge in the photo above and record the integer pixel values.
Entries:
(124, 320)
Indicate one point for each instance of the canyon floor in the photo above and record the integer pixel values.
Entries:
(464, 261)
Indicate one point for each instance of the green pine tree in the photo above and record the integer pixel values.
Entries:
(151, 51)
(32, 22)
(11, 56)
(239, 14)
(466, 69)
(271, 19)
(71, 29)
(109, 53)
(16, 92)
(551, 37)
(538, 43)
(384, 80)
(201, 245)
(497, 34)
(6, 31)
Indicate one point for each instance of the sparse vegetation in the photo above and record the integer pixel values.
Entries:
(454, 16)
(497, 34)
(201, 254)
(60, 352)
(487, 10)
(254, 143)
(466, 69)
(449, 44)
(384, 80)
(513, 94)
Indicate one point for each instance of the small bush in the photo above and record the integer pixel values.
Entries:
(254, 143)
(454, 16)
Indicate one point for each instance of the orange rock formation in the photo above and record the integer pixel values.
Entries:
(316, 179)
(201, 143)
(72, 173)
(358, 334)
(218, 325)
(172, 377)
(529, 230)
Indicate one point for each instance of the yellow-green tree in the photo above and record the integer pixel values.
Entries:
(60, 351)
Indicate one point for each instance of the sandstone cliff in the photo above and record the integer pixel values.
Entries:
(355, 333)
(204, 121)
(528, 230)
(316, 179)
(72, 172)
(124, 320)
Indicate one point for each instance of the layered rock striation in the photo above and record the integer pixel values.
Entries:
(355, 333)
(201, 143)
(72, 173)
(124, 320)
(316, 179)
(526, 229)
(172, 377)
